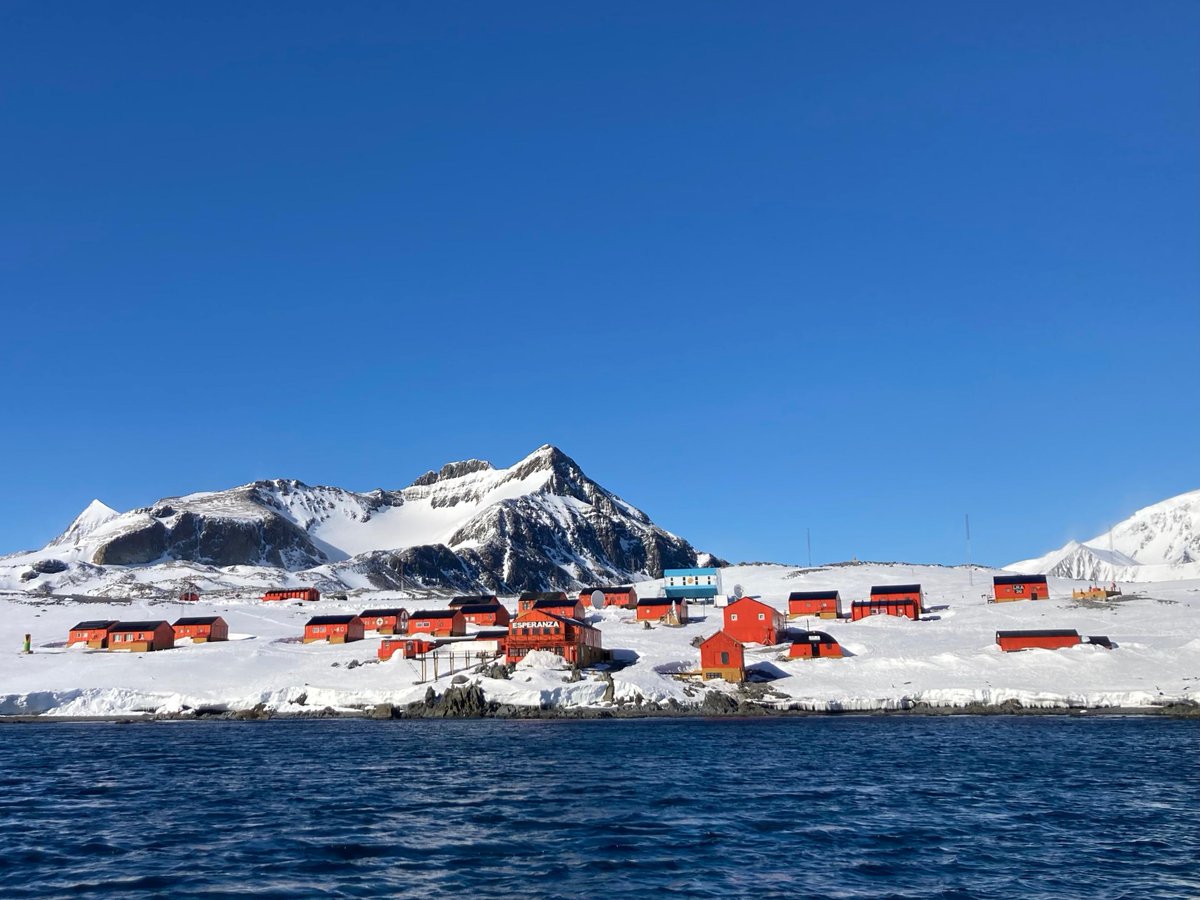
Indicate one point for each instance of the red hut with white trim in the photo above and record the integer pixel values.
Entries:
(623, 596)
(437, 622)
(201, 629)
(1044, 639)
(341, 629)
(754, 622)
(141, 637)
(723, 656)
(1020, 587)
(672, 610)
(814, 645)
(389, 620)
(276, 594)
(485, 615)
(93, 633)
(823, 604)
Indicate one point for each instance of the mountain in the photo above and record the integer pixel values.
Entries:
(540, 524)
(1158, 543)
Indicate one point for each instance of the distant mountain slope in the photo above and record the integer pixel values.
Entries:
(1158, 543)
(539, 524)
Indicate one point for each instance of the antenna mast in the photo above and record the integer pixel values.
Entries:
(808, 540)
(970, 571)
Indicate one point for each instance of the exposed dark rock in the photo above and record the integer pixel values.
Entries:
(718, 704)
(49, 566)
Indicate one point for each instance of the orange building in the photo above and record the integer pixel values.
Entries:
(385, 621)
(311, 594)
(562, 605)
(93, 633)
(663, 609)
(490, 614)
(141, 637)
(336, 629)
(474, 600)
(623, 596)
(1046, 639)
(201, 629)
(894, 593)
(862, 609)
(722, 656)
(437, 622)
(1020, 587)
(411, 647)
(754, 622)
(814, 645)
(573, 640)
(825, 604)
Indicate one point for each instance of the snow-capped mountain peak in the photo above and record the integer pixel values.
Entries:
(94, 516)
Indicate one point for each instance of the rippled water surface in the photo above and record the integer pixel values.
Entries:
(817, 807)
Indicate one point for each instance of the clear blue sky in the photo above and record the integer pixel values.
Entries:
(858, 268)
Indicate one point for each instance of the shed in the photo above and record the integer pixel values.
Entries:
(390, 620)
(490, 614)
(1045, 639)
(624, 596)
(722, 656)
(340, 629)
(897, 592)
(201, 629)
(753, 622)
(94, 633)
(824, 604)
(141, 636)
(905, 608)
(473, 600)
(527, 599)
(814, 645)
(560, 606)
(1020, 587)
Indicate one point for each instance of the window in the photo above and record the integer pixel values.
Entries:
(724, 657)
(733, 617)
(762, 616)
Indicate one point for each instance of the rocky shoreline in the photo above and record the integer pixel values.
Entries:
(470, 702)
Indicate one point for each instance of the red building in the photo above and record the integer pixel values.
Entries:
(437, 622)
(336, 629)
(490, 614)
(623, 596)
(862, 609)
(662, 609)
(814, 645)
(1049, 639)
(825, 604)
(93, 633)
(311, 594)
(573, 640)
(1020, 587)
(385, 621)
(722, 656)
(892, 593)
(201, 629)
(565, 607)
(141, 637)
(189, 597)
(411, 647)
(527, 599)
(754, 622)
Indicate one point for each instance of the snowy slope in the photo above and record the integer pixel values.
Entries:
(948, 659)
(539, 524)
(1157, 543)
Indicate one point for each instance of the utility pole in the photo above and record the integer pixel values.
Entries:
(970, 571)
(808, 540)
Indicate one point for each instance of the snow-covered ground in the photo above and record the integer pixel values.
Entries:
(949, 659)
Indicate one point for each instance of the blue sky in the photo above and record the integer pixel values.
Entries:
(760, 268)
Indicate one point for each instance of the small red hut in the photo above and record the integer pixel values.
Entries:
(561, 606)
(473, 600)
(385, 621)
(673, 610)
(1046, 639)
(824, 604)
(201, 629)
(141, 637)
(1020, 587)
(623, 596)
(335, 629)
(814, 645)
(862, 609)
(895, 593)
(437, 622)
(411, 647)
(753, 622)
(311, 594)
(527, 599)
(93, 633)
(722, 656)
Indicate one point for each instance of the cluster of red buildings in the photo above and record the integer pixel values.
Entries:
(143, 637)
(310, 594)
(750, 621)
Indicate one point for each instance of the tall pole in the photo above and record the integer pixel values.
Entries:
(808, 540)
(970, 571)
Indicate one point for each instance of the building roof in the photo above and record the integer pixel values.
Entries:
(1044, 632)
(473, 599)
(288, 590)
(138, 626)
(94, 624)
(199, 620)
(882, 601)
(434, 614)
(620, 589)
(818, 637)
(721, 637)
(813, 595)
(376, 613)
(896, 589)
(1019, 579)
(550, 603)
(474, 608)
(660, 601)
(543, 595)
(332, 620)
(677, 573)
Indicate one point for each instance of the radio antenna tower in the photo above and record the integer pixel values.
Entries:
(970, 571)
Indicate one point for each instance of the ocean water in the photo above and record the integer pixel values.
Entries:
(905, 807)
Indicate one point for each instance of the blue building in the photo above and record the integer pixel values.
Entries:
(693, 584)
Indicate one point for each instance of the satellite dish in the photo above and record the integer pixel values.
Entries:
(738, 594)
(597, 599)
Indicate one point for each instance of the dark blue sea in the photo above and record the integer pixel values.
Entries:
(812, 807)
